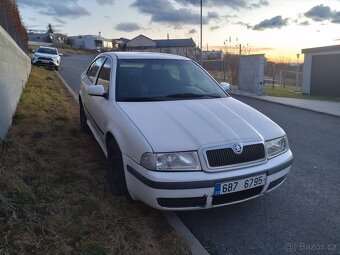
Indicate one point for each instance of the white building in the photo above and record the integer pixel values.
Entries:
(212, 55)
(182, 47)
(321, 74)
(91, 42)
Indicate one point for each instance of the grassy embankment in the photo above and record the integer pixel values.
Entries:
(287, 91)
(54, 197)
(290, 92)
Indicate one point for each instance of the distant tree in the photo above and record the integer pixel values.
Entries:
(49, 28)
(232, 59)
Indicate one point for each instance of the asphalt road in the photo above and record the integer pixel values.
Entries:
(302, 216)
(72, 67)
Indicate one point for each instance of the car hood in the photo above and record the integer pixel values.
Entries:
(45, 55)
(186, 125)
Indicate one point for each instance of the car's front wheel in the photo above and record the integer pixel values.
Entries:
(116, 174)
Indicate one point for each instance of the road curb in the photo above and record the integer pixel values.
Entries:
(280, 103)
(195, 246)
(67, 86)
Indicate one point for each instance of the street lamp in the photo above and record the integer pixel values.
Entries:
(201, 32)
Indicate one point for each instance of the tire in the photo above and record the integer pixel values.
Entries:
(83, 120)
(116, 176)
(57, 68)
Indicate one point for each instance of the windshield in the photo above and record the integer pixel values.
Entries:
(47, 51)
(163, 80)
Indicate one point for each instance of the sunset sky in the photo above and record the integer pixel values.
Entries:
(275, 27)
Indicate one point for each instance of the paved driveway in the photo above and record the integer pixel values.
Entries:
(72, 67)
(301, 216)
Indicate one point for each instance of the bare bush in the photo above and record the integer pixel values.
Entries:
(11, 21)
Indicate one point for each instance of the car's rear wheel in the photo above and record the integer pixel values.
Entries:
(116, 176)
(83, 120)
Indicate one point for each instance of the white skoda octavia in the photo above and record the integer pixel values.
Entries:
(174, 138)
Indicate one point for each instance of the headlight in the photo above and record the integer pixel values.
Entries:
(177, 161)
(277, 146)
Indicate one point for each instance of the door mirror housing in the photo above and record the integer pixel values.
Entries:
(96, 90)
(225, 86)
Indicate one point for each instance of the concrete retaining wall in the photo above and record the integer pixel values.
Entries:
(15, 67)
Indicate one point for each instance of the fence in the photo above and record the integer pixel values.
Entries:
(11, 23)
(216, 68)
(285, 78)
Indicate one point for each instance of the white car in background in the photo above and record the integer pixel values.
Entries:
(174, 138)
(46, 56)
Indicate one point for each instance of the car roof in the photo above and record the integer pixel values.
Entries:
(144, 55)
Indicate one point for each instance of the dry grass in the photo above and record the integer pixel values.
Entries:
(54, 197)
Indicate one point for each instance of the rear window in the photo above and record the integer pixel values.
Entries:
(48, 51)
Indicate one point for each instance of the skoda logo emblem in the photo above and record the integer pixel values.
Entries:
(237, 148)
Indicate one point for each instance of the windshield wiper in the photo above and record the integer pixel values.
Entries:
(192, 95)
(142, 99)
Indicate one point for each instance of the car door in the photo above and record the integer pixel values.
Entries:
(90, 79)
(100, 105)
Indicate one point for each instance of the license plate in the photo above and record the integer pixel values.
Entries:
(239, 185)
(45, 61)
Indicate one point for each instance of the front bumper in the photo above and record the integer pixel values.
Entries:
(195, 190)
(45, 62)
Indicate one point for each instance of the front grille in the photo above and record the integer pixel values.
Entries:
(45, 58)
(227, 157)
(182, 202)
(236, 196)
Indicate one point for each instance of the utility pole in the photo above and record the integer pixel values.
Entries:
(201, 33)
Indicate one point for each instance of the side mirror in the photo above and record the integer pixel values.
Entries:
(60, 54)
(33, 51)
(96, 90)
(225, 86)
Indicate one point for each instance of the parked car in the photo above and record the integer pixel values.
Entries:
(173, 137)
(46, 56)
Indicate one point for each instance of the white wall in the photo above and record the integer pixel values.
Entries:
(15, 67)
(307, 74)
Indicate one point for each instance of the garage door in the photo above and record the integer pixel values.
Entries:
(325, 80)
